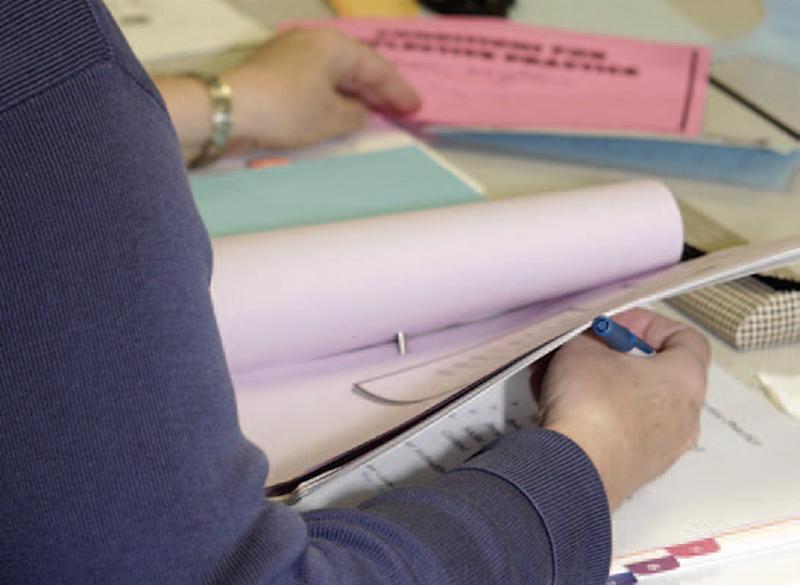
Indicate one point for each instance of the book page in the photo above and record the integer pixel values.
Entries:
(743, 471)
(503, 356)
(326, 289)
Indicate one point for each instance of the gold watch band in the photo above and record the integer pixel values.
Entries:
(221, 119)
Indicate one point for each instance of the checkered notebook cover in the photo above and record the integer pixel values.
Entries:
(751, 313)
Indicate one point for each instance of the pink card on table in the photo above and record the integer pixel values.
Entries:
(494, 74)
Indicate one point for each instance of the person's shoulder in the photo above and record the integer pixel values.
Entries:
(47, 42)
(44, 43)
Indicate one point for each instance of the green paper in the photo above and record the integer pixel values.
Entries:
(320, 191)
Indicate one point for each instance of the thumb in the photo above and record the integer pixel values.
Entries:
(345, 115)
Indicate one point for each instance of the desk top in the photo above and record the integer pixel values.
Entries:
(754, 214)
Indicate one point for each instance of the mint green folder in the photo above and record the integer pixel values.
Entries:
(333, 189)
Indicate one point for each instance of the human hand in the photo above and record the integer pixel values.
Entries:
(304, 86)
(633, 416)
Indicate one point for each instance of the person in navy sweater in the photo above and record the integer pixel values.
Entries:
(121, 459)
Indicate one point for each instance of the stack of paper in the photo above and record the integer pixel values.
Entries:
(375, 171)
(304, 192)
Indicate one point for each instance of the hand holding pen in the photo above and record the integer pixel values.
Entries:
(633, 417)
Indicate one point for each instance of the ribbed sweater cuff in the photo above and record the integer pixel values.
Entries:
(561, 483)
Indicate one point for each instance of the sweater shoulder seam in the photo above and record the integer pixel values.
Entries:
(112, 58)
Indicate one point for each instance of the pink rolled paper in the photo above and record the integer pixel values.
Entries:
(293, 295)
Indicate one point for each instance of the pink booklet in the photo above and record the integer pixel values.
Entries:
(494, 74)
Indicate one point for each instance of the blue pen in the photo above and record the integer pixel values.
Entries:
(619, 338)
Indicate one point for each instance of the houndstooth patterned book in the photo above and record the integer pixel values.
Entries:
(754, 312)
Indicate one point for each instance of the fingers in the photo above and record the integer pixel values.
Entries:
(681, 348)
(689, 340)
(363, 73)
(665, 334)
(650, 326)
(538, 370)
(346, 115)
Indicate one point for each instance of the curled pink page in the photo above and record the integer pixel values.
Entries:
(297, 294)
(495, 74)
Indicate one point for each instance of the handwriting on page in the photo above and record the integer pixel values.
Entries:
(495, 74)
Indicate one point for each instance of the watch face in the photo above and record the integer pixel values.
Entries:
(475, 7)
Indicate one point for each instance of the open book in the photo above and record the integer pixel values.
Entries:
(309, 315)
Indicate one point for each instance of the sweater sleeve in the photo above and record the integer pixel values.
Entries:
(122, 460)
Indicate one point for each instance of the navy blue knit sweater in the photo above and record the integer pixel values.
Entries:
(121, 460)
